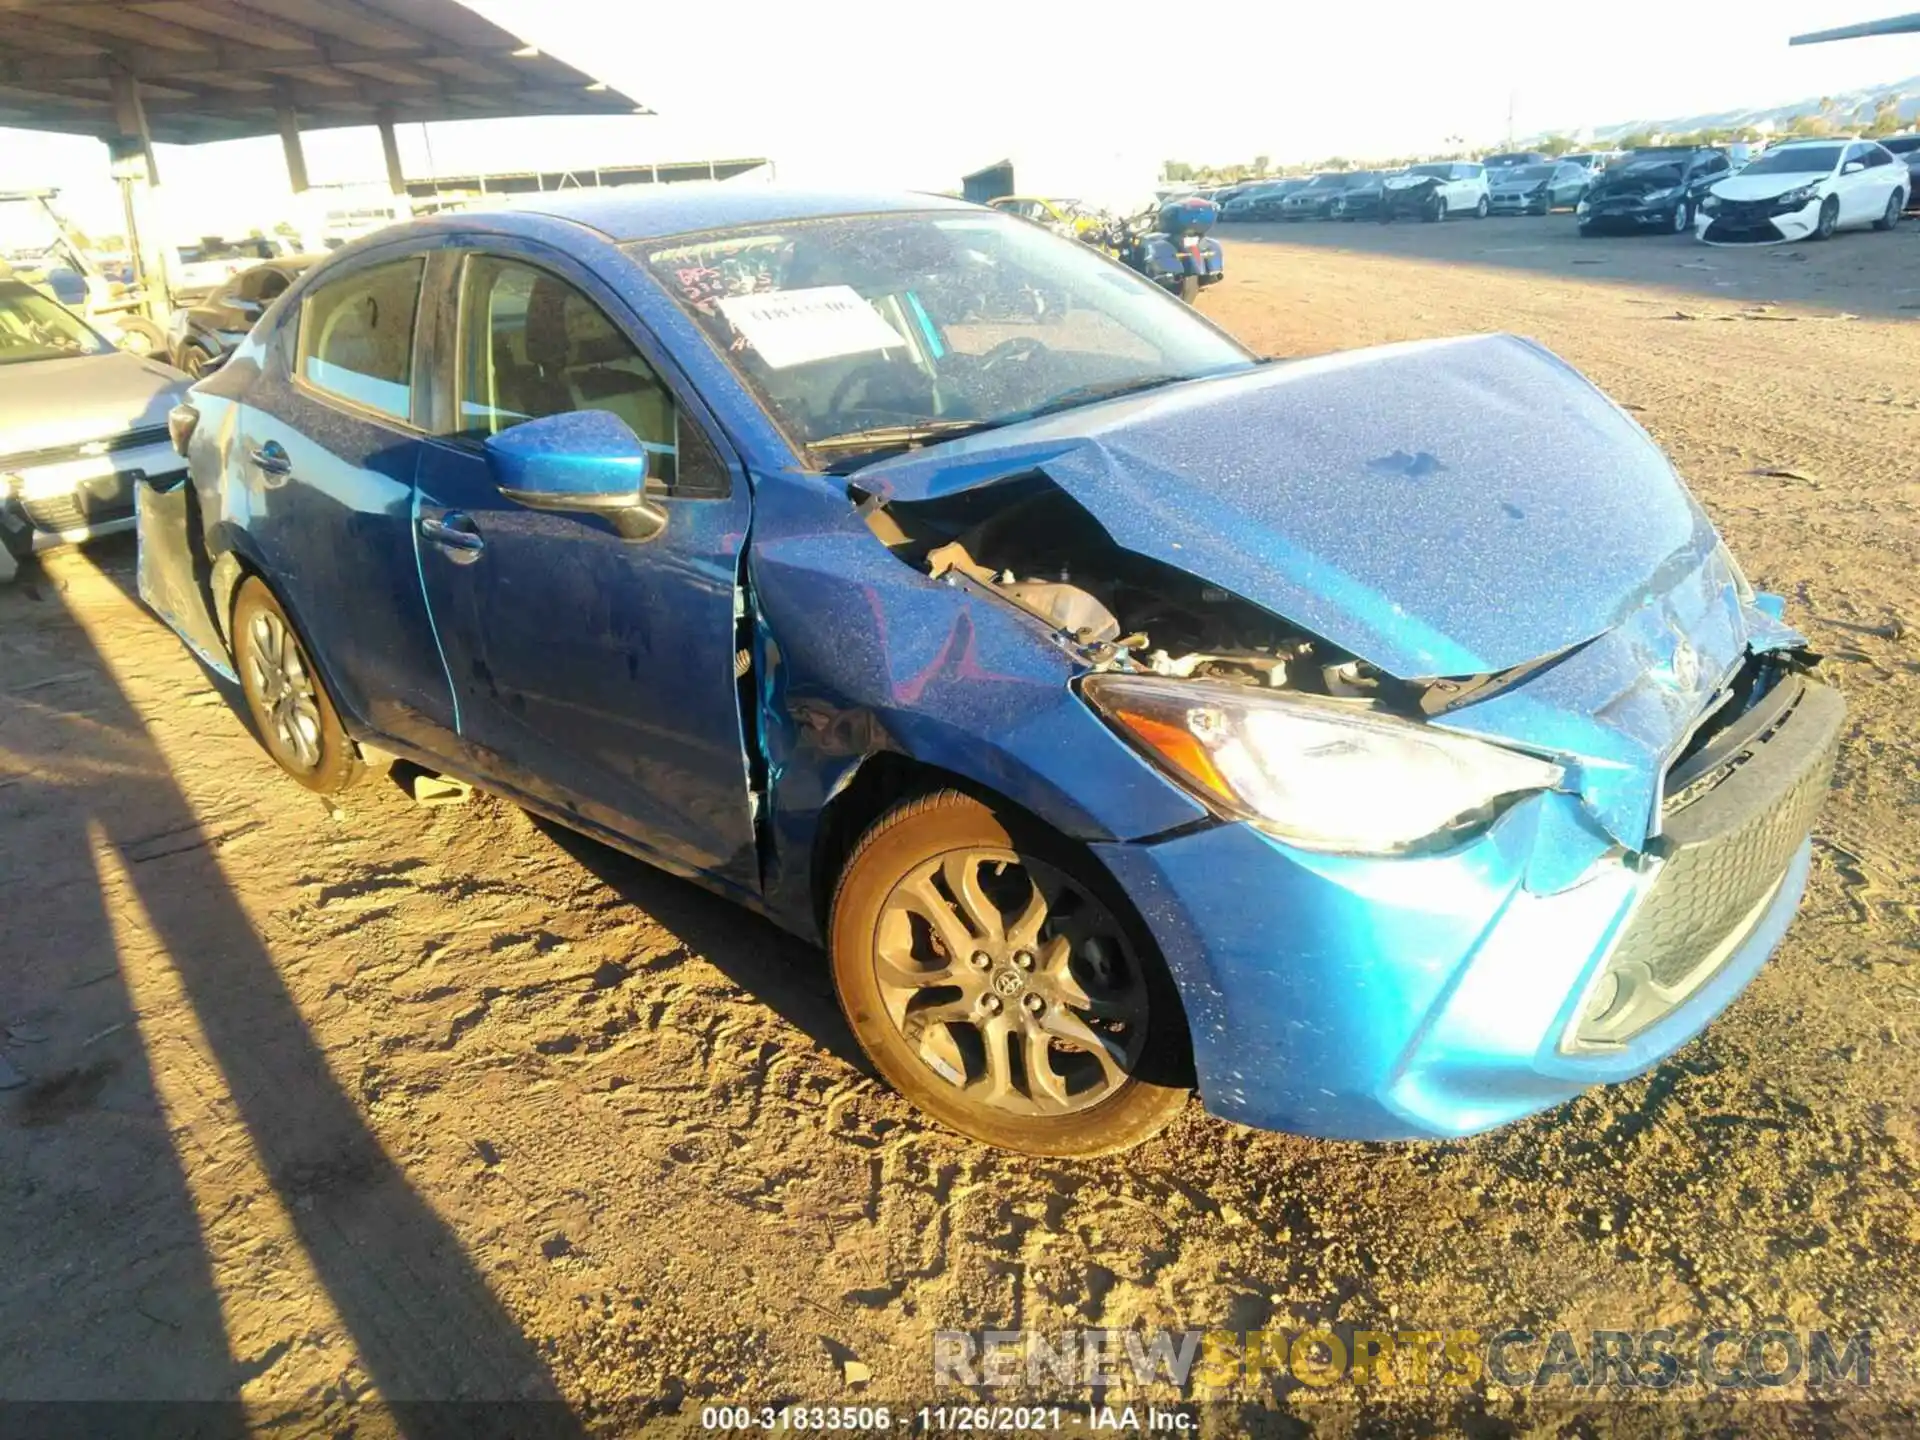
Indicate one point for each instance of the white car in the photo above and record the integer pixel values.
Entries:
(1438, 189)
(1806, 190)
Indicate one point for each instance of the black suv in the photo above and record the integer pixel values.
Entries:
(1907, 148)
(1655, 188)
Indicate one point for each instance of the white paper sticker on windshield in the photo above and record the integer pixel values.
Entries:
(792, 327)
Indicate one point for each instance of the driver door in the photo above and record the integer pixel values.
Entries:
(592, 672)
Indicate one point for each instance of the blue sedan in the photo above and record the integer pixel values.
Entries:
(1126, 715)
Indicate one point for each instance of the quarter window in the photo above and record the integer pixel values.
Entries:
(356, 336)
(532, 345)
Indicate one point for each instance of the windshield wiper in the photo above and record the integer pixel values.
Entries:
(900, 437)
(1101, 390)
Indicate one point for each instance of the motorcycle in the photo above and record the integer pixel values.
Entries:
(1168, 244)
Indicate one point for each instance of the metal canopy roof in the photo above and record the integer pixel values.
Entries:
(1895, 25)
(220, 69)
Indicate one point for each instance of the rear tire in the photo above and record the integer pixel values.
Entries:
(1189, 288)
(941, 965)
(1896, 205)
(293, 715)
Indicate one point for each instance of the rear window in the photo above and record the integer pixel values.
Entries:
(356, 336)
(1903, 144)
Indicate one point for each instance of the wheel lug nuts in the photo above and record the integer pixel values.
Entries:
(990, 1004)
(982, 960)
(1036, 1004)
(1023, 959)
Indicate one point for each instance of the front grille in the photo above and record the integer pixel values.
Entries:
(1726, 845)
(58, 514)
(58, 454)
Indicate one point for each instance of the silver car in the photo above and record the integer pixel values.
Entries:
(81, 424)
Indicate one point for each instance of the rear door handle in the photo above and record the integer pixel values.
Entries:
(271, 459)
(455, 534)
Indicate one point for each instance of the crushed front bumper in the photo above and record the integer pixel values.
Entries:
(49, 501)
(1423, 997)
(1757, 223)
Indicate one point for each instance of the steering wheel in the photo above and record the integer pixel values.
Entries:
(1020, 349)
(863, 378)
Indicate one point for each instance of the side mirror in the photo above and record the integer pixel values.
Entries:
(1853, 167)
(585, 462)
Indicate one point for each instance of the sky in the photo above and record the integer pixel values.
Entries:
(915, 95)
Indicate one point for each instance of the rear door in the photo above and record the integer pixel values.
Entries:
(1860, 193)
(327, 444)
(593, 672)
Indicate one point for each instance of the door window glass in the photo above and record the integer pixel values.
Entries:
(533, 345)
(356, 336)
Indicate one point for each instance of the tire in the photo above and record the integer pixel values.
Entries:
(1586, 228)
(1435, 210)
(1481, 210)
(946, 864)
(1189, 287)
(1896, 205)
(1829, 219)
(140, 336)
(293, 715)
(1682, 217)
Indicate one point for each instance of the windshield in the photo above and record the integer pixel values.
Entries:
(1437, 172)
(1648, 169)
(930, 323)
(33, 327)
(1326, 182)
(1359, 179)
(1796, 160)
(1903, 144)
(1529, 172)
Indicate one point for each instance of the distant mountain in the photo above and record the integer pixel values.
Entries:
(1849, 107)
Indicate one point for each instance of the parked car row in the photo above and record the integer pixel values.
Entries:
(1794, 190)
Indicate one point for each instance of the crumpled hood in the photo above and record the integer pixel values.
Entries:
(1765, 187)
(49, 403)
(1439, 508)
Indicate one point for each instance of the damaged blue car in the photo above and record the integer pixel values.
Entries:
(1125, 714)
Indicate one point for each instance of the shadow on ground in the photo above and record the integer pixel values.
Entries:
(86, 797)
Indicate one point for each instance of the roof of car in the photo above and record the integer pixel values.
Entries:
(645, 212)
(1814, 140)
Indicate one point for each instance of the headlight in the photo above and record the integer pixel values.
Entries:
(1319, 774)
(1654, 197)
(1711, 204)
(1582, 207)
(1794, 199)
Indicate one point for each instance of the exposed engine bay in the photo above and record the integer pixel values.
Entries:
(1030, 543)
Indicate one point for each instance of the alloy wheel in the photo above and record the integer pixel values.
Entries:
(1011, 983)
(285, 689)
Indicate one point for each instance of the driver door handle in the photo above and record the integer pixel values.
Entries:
(272, 460)
(455, 534)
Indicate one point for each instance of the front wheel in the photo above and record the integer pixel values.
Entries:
(1481, 210)
(1896, 203)
(140, 336)
(1436, 210)
(990, 972)
(1829, 219)
(1682, 217)
(292, 713)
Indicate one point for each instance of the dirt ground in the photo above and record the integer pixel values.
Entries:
(335, 1104)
